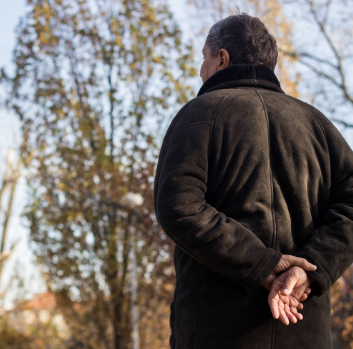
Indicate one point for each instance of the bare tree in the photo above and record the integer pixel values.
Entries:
(323, 47)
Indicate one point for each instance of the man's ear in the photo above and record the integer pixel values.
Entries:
(223, 59)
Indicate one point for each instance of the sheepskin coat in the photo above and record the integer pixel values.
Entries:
(245, 174)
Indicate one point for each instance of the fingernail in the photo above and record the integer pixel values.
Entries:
(285, 291)
(312, 266)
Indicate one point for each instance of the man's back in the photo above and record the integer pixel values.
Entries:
(246, 172)
(270, 165)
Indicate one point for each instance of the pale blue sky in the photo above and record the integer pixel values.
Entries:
(10, 13)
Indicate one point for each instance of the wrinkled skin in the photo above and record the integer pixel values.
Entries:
(213, 64)
(289, 289)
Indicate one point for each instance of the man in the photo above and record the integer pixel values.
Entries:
(249, 182)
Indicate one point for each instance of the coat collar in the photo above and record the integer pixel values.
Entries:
(238, 75)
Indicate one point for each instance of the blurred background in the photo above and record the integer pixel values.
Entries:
(87, 91)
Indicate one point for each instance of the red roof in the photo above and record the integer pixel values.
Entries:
(41, 301)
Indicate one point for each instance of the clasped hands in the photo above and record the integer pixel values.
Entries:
(289, 286)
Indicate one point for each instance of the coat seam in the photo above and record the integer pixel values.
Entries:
(197, 300)
(271, 174)
(272, 197)
(273, 334)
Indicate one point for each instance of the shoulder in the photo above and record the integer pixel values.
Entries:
(198, 111)
(341, 153)
(325, 123)
(282, 102)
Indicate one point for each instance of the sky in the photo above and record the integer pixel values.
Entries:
(10, 13)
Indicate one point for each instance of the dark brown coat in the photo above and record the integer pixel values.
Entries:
(245, 174)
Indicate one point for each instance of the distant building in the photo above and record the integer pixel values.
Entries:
(40, 311)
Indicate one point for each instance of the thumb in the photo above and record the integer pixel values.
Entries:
(303, 263)
(291, 279)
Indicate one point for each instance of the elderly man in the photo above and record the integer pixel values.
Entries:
(249, 182)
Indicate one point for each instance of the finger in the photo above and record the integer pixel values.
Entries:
(294, 311)
(308, 290)
(291, 317)
(300, 306)
(283, 317)
(289, 314)
(274, 308)
(303, 263)
(303, 297)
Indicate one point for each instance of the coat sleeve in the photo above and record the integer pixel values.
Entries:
(219, 242)
(330, 246)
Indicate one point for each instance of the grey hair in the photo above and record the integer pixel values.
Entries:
(246, 38)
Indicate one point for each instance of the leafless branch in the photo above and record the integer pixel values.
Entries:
(323, 30)
(342, 122)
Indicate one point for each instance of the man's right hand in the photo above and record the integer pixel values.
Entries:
(288, 261)
(284, 264)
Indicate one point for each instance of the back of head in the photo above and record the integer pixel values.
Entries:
(246, 39)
